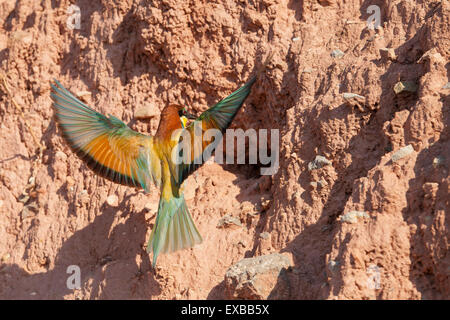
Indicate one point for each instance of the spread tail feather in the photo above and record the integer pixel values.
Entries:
(174, 228)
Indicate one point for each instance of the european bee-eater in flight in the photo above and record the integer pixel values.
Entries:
(116, 152)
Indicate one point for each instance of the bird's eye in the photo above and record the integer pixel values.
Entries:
(181, 112)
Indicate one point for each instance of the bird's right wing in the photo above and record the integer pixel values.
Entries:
(219, 118)
(106, 144)
(200, 137)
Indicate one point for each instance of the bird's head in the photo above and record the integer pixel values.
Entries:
(181, 111)
(184, 116)
(173, 116)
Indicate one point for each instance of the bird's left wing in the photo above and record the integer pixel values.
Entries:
(106, 144)
(216, 119)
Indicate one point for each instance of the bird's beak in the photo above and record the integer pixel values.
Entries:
(190, 115)
(184, 121)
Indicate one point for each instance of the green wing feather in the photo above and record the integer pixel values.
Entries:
(106, 144)
(217, 117)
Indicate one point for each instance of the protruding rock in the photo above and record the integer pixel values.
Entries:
(354, 99)
(352, 216)
(112, 200)
(318, 163)
(333, 266)
(432, 56)
(70, 181)
(259, 278)
(84, 96)
(349, 96)
(5, 258)
(321, 183)
(405, 86)
(401, 153)
(228, 221)
(438, 161)
(146, 111)
(60, 155)
(22, 36)
(388, 54)
(83, 93)
(264, 235)
(337, 53)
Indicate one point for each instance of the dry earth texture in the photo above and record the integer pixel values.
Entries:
(367, 219)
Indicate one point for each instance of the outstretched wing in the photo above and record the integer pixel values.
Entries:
(217, 117)
(106, 144)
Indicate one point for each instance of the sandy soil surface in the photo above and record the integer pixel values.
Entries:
(377, 210)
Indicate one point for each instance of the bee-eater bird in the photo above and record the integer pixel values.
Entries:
(116, 152)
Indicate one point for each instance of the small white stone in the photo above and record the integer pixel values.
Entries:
(333, 266)
(337, 53)
(83, 93)
(264, 235)
(229, 221)
(352, 216)
(60, 155)
(6, 257)
(318, 163)
(403, 152)
(349, 95)
(438, 161)
(146, 111)
(112, 200)
(388, 54)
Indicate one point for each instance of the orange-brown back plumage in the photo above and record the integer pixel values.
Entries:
(170, 121)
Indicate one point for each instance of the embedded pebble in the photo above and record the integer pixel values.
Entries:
(321, 183)
(388, 54)
(146, 111)
(438, 161)
(83, 93)
(352, 216)
(333, 266)
(228, 221)
(349, 95)
(112, 200)
(264, 235)
(318, 163)
(23, 36)
(401, 153)
(6, 257)
(337, 53)
(60, 155)
(405, 86)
